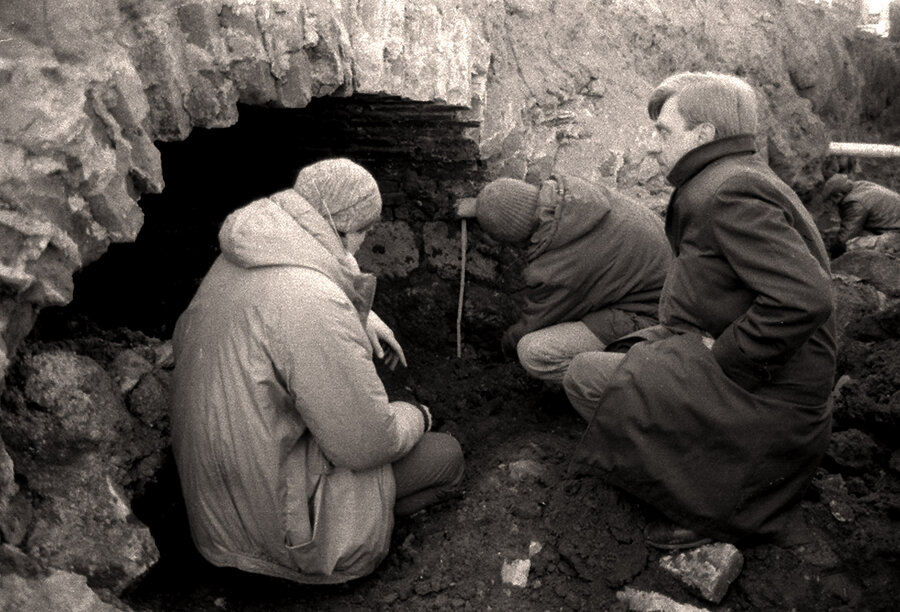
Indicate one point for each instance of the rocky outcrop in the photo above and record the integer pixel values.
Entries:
(550, 87)
(85, 438)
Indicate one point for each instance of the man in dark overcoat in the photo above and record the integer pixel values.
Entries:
(719, 417)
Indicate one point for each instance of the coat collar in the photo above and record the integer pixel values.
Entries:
(696, 159)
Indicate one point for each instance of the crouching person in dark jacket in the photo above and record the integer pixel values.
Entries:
(870, 214)
(720, 419)
(596, 265)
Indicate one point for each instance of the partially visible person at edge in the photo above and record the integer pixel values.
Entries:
(720, 417)
(596, 265)
(291, 458)
(865, 208)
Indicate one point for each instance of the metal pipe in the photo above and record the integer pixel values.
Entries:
(863, 149)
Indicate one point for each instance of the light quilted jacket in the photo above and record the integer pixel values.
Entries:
(282, 431)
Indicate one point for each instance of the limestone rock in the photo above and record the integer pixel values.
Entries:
(648, 601)
(8, 486)
(27, 588)
(84, 524)
(73, 440)
(708, 570)
(128, 368)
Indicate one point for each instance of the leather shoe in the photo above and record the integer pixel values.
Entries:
(669, 536)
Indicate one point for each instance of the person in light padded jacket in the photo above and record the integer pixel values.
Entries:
(596, 265)
(292, 460)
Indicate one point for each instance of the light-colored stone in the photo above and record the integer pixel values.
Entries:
(708, 570)
(515, 572)
(528, 469)
(84, 524)
(127, 369)
(649, 601)
(58, 590)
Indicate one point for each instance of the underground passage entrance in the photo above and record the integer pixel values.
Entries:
(417, 152)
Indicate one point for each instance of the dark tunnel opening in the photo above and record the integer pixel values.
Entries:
(417, 152)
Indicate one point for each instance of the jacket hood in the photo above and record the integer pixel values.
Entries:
(568, 208)
(285, 230)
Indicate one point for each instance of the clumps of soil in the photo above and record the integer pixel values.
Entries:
(582, 539)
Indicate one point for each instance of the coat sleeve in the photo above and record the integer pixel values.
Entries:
(792, 289)
(853, 218)
(321, 352)
(544, 305)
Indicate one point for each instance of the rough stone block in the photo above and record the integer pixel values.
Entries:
(648, 601)
(442, 252)
(55, 591)
(708, 570)
(389, 250)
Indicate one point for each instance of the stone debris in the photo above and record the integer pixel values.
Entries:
(648, 601)
(515, 572)
(59, 590)
(708, 570)
(528, 469)
(836, 497)
(128, 368)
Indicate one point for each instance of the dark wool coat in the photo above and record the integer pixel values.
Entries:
(868, 207)
(592, 250)
(724, 440)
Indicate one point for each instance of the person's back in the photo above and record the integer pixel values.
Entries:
(602, 249)
(865, 208)
(291, 458)
(880, 208)
(247, 463)
(596, 264)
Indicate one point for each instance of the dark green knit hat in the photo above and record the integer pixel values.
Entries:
(506, 209)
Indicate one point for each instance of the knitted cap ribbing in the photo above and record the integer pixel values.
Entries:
(506, 209)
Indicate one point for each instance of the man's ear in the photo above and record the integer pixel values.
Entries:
(706, 132)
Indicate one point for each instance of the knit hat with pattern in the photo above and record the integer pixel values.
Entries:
(342, 191)
(506, 209)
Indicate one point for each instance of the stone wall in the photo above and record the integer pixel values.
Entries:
(89, 87)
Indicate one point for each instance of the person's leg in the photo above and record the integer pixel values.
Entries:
(586, 379)
(429, 472)
(546, 353)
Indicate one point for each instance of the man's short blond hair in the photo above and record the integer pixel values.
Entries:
(725, 101)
